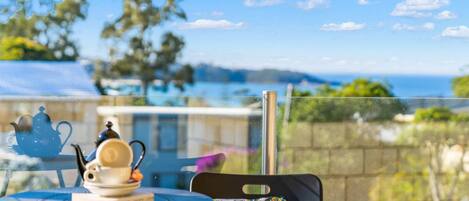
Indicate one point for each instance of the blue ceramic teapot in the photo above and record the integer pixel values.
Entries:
(36, 137)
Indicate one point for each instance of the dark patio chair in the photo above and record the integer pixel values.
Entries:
(304, 187)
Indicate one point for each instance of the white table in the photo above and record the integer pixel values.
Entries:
(65, 194)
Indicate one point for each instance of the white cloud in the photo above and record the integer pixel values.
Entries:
(406, 27)
(326, 58)
(341, 62)
(413, 13)
(346, 26)
(418, 8)
(261, 3)
(110, 16)
(446, 15)
(311, 4)
(212, 24)
(456, 32)
(401, 27)
(217, 13)
(394, 59)
(363, 2)
(428, 26)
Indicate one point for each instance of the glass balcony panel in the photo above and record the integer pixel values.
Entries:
(362, 148)
(378, 148)
(183, 136)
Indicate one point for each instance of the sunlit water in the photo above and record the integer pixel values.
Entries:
(229, 93)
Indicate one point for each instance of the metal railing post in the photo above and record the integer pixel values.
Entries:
(269, 144)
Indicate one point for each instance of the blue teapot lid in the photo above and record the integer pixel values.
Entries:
(41, 118)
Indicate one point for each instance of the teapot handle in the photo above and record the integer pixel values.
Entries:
(142, 155)
(69, 133)
(10, 139)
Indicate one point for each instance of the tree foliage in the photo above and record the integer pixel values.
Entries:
(460, 86)
(352, 101)
(142, 58)
(438, 114)
(364, 88)
(51, 28)
(19, 48)
(433, 114)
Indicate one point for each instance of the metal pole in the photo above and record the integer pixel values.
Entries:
(269, 145)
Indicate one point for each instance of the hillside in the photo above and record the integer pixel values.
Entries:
(209, 73)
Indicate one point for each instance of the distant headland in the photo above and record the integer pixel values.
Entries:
(211, 73)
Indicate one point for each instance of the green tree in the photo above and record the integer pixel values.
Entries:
(19, 48)
(433, 114)
(364, 88)
(133, 30)
(438, 114)
(352, 101)
(460, 86)
(53, 29)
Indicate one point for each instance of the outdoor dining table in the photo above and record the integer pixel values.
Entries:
(65, 194)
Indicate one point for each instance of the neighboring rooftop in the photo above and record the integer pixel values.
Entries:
(45, 78)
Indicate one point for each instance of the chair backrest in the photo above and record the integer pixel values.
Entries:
(304, 187)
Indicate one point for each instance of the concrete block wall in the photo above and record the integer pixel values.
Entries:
(350, 158)
(220, 134)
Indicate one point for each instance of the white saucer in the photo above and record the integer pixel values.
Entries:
(112, 190)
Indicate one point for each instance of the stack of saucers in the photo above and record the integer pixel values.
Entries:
(109, 175)
(114, 190)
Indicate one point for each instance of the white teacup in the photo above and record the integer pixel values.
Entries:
(108, 175)
(114, 153)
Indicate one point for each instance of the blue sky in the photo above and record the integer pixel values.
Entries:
(316, 36)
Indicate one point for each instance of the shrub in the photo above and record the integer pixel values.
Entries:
(20, 48)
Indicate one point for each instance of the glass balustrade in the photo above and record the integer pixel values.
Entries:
(183, 136)
(378, 148)
(361, 148)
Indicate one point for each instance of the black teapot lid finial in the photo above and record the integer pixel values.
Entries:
(107, 133)
(109, 125)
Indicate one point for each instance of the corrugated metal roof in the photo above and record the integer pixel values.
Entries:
(44, 78)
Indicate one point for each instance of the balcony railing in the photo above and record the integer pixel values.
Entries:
(362, 148)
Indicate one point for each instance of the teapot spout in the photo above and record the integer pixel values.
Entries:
(15, 125)
(24, 124)
(81, 161)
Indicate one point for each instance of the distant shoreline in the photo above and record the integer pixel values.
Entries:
(401, 86)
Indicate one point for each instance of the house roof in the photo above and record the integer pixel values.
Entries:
(45, 78)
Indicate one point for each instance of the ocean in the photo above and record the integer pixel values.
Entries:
(401, 86)
(406, 85)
